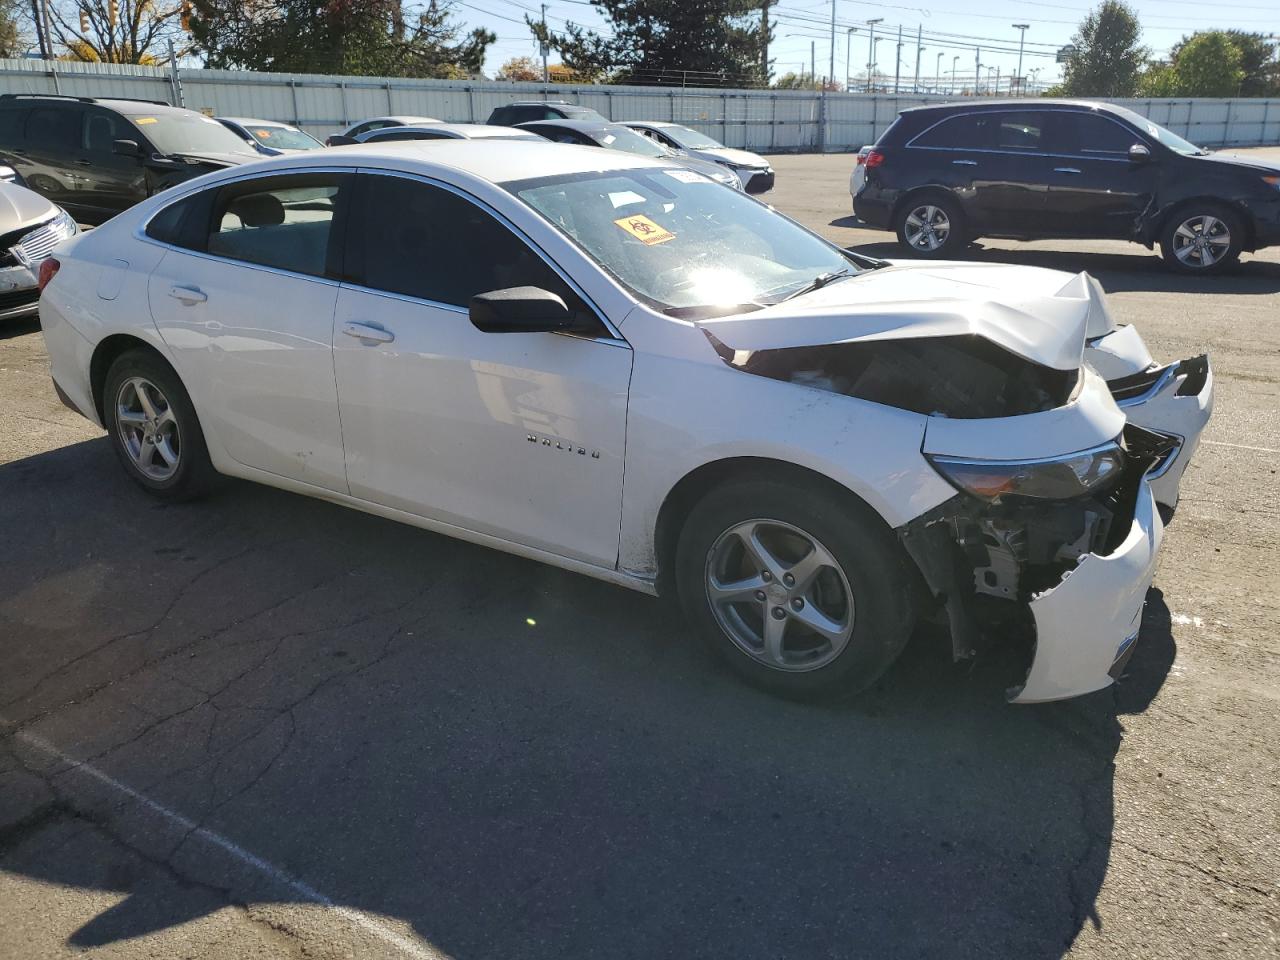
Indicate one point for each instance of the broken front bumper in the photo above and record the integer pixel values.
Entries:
(1087, 624)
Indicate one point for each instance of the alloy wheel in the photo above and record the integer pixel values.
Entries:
(927, 228)
(1201, 241)
(779, 595)
(148, 428)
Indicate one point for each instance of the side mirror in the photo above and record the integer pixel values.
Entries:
(126, 148)
(1139, 153)
(520, 310)
(340, 140)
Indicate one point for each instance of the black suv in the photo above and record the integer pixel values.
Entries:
(97, 157)
(522, 111)
(944, 175)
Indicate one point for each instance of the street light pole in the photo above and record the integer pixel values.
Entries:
(897, 62)
(937, 74)
(1022, 29)
(871, 48)
(848, 50)
(954, 61)
(915, 86)
(831, 69)
(543, 45)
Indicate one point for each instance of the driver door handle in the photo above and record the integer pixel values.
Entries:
(367, 331)
(188, 295)
(1066, 169)
(964, 163)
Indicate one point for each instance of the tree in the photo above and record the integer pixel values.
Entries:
(139, 32)
(1260, 73)
(687, 42)
(1207, 64)
(11, 44)
(1108, 59)
(369, 37)
(519, 68)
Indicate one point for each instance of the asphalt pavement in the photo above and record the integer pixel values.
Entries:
(265, 726)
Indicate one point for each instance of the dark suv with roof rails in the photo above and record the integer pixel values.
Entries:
(944, 175)
(96, 157)
(522, 111)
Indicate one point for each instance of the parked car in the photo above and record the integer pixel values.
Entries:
(947, 174)
(859, 175)
(270, 137)
(885, 441)
(440, 131)
(614, 136)
(752, 169)
(522, 111)
(96, 157)
(30, 227)
(374, 123)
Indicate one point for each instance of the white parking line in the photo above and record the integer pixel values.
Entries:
(1240, 446)
(304, 891)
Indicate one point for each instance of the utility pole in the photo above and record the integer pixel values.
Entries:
(831, 69)
(915, 86)
(764, 42)
(871, 48)
(996, 89)
(543, 44)
(937, 74)
(1022, 29)
(813, 64)
(897, 61)
(848, 50)
(977, 69)
(954, 61)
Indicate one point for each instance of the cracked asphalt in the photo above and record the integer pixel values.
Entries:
(266, 726)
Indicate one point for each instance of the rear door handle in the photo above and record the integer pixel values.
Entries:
(188, 295)
(367, 331)
(84, 163)
(1066, 169)
(964, 163)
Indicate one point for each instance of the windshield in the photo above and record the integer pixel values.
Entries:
(691, 139)
(1167, 137)
(188, 133)
(283, 138)
(623, 138)
(682, 242)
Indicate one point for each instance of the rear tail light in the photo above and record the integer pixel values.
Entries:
(48, 270)
(874, 159)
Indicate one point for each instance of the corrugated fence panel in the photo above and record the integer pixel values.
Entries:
(763, 120)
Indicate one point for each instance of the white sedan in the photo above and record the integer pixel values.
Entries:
(615, 365)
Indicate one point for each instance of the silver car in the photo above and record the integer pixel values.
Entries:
(30, 227)
(752, 169)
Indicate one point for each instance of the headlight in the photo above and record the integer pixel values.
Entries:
(728, 178)
(64, 224)
(1055, 478)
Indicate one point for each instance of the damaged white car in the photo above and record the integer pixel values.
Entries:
(627, 370)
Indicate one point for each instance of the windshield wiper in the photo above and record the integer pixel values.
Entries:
(817, 283)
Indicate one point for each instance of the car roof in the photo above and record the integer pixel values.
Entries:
(590, 127)
(403, 119)
(651, 123)
(469, 131)
(253, 122)
(1039, 103)
(498, 161)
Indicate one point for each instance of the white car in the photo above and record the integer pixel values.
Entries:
(753, 170)
(613, 365)
(270, 137)
(30, 227)
(858, 176)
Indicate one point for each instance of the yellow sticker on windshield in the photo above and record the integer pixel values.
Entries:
(645, 230)
(144, 120)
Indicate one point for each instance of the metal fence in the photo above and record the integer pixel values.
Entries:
(761, 120)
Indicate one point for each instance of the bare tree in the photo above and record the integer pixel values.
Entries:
(119, 31)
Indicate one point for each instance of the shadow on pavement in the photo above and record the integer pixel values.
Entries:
(19, 327)
(1141, 270)
(511, 759)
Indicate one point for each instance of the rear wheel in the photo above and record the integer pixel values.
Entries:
(931, 226)
(1204, 238)
(153, 427)
(798, 589)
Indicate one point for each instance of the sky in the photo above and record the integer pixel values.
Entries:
(951, 28)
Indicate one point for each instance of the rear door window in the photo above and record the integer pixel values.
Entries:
(283, 222)
(53, 129)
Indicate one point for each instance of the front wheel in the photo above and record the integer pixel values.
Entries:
(932, 227)
(800, 590)
(1202, 239)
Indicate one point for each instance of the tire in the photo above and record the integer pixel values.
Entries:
(175, 465)
(865, 561)
(920, 223)
(1202, 238)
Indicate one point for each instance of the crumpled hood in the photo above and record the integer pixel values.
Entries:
(222, 159)
(739, 158)
(20, 207)
(1042, 315)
